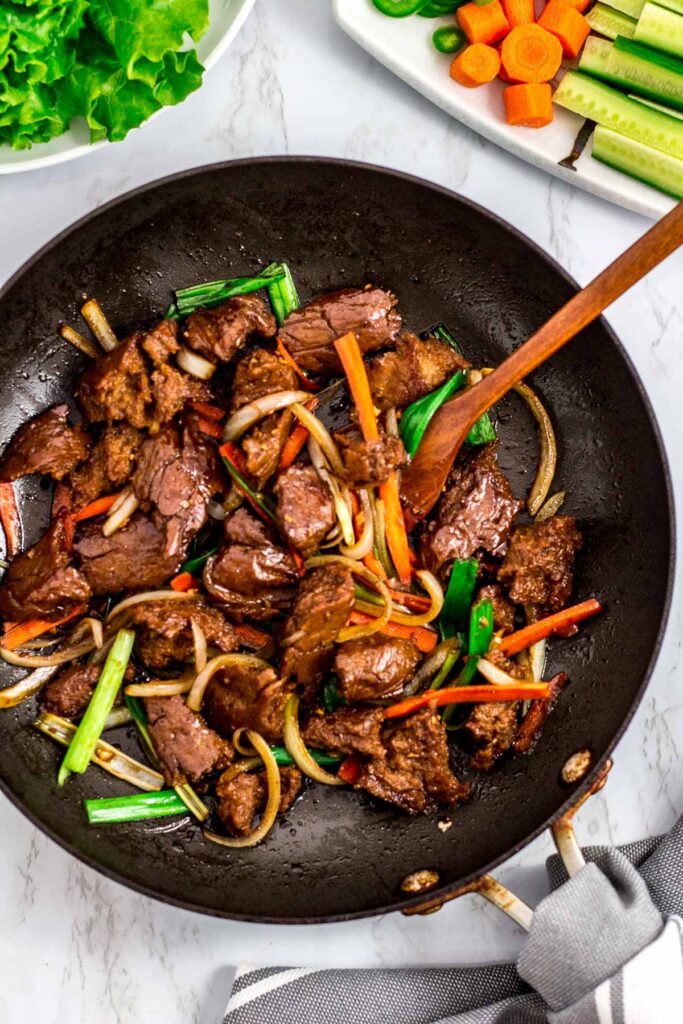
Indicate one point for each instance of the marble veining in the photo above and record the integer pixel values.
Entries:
(76, 947)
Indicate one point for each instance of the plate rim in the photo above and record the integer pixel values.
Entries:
(84, 148)
(444, 891)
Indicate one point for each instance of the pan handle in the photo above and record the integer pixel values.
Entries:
(495, 892)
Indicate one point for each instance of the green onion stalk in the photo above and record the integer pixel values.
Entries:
(212, 293)
(283, 295)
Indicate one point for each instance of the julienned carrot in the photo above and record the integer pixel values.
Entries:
(95, 508)
(351, 358)
(18, 633)
(183, 581)
(235, 456)
(578, 5)
(467, 695)
(567, 24)
(424, 639)
(542, 628)
(350, 769)
(207, 410)
(296, 440)
(373, 563)
(530, 54)
(485, 24)
(9, 517)
(308, 384)
(475, 65)
(251, 636)
(520, 12)
(210, 428)
(529, 105)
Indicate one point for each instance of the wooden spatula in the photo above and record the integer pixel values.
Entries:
(423, 481)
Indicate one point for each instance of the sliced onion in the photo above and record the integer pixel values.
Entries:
(250, 414)
(407, 618)
(79, 341)
(391, 422)
(547, 457)
(195, 365)
(194, 701)
(149, 595)
(431, 666)
(26, 687)
(341, 507)
(60, 657)
(159, 688)
(297, 750)
(97, 631)
(112, 760)
(551, 507)
(117, 716)
(381, 537)
(233, 500)
(93, 315)
(247, 764)
(121, 512)
(273, 803)
(321, 434)
(363, 545)
(497, 676)
(357, 569)
(215, 510)
(199, 643)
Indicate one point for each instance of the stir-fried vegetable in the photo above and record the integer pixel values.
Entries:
(272, 803)
(283, 296)
(212, 293)
(26, 687)
(87, 734)
(137, 807)
(183, 582)
(298, 749)
(9, 519)
(331, 698)
(467, 695)
(416, 417)
(458, 599)
(306, 381)
(479, 638)
(261, 505)
(96, 508)
(18, 633)
(93, 314)
(248, 415)
(424, 639)
(535, 631)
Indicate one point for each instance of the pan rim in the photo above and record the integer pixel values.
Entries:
(445, 890)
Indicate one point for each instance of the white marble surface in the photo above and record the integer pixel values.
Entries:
(75, 947)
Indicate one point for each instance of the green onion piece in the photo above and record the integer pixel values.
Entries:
(443, 673)
(416, 417)
(82, 746)
(479, 640)
(332, 698)
(260, 500)
(458, 599)
(399, 8)
(441, 332)
(283, 295)
(449, 39)
(483, 432)
(137, 807)
(211, 293)
(284, 758)
(185, 791)
(193, 564)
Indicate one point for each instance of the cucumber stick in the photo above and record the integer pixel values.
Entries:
(606, 21)
(661, 29)
(673, 5)
(637, 68)
(633, 8)
(633, 158)
(657, 106)
(611, 108)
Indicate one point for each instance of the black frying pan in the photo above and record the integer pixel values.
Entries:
(338, 854)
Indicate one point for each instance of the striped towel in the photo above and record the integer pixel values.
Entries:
(606, 947)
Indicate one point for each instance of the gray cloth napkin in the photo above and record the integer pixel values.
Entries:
(606, 947)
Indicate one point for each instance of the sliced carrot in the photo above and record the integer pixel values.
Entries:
(529, 105)
(296, 440)
(235, 456)
(567, 24)
(485, 24)
(298, 560)
(578, 5)
(395, 529)
(9, 517)
(350, 769)
(210, 428)
(530, 54)
(95, 508)
(373, 563)
(183, 581)
(475, 65)
(251, 636)
(542, 628)
(424, 639)
(308, 384)
(18, 633)
(467, 695)
(519, 12)
(207, 410)
(351, 358)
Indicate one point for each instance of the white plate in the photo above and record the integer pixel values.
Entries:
(404, 46)
(226, 18)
